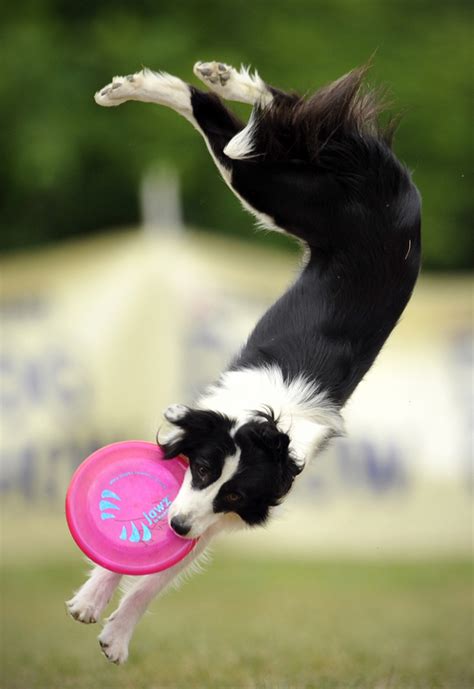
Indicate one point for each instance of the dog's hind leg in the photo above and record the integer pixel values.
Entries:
(244, 87)
(90, 600)
(204, 110)
(226, 137)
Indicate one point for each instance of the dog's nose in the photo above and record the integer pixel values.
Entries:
(179, 526)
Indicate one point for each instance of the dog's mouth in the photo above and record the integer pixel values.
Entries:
(192, 528)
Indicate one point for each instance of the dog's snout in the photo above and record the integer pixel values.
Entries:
(179, 526)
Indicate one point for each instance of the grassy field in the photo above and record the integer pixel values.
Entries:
(251, 624)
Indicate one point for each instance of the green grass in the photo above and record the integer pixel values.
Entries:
(251, 624)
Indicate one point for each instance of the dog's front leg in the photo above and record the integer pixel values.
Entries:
(90, 600)
(118, 629)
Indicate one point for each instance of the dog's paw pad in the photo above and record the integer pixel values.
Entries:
(215, 73)
(175, 412)
(115, 649)
(119, 90)
(81, 612)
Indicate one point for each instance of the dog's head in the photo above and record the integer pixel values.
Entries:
(244, 468)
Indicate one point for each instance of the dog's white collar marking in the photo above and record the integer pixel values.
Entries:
(302, 411)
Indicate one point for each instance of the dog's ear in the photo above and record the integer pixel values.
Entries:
(267, 436)
(273, 439)
(200, 422)
(172, 442)
(171, 439)
(191, 429)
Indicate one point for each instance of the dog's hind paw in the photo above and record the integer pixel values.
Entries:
(241, 86)
(214, 73)
(119, 90)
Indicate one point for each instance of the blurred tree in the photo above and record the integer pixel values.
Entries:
(72, 168)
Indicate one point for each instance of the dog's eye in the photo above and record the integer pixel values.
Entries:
(202, 471)
(233, 497)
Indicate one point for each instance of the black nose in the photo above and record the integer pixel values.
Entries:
(180, 527)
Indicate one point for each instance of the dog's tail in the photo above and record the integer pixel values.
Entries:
(323, 167)
(304, 128)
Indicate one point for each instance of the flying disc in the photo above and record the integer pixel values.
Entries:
(117, 508)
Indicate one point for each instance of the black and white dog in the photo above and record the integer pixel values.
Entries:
(321, 169)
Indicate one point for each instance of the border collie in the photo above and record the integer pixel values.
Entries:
(321, 169)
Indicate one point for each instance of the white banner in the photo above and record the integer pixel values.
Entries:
(99, 336)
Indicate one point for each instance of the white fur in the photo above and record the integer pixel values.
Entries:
(195, 506)
(90, 601)
(241, 145)
(263, 220)
(175, 412)
(164, 89)
(302, 411)
(88, 604)
(230, 84)
(118, 629)
(149, 87)
(243, 87)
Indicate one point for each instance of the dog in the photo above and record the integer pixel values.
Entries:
(322, 170)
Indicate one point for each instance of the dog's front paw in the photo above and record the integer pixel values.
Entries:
(175, 412)
(82, 609)
(113, 644)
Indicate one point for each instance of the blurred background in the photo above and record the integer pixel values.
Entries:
(129, 276)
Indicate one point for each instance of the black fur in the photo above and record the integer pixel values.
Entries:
(216, 121)
(265, 475)
(266, 469)
(324, 171)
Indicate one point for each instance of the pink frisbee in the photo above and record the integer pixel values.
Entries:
(117, 508)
